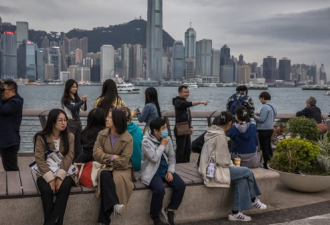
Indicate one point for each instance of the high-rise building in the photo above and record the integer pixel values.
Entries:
(313, 74)
(8, 55)
(26, 61)
(137, 61)
(225, 55)
(323, 75)
(126, 61)
(73, 70)
(88, 62)
(78, 56)
(66, 43)
(74, 44)
(190, 67)
(244, 73)
(83, 74)
(107, 62)
(53, 44)
(190, 43)
(178, 62)
(22, 32)
(284, 69)
(45, 42)
(240, 60)
(49, 72)
(84, 46)
(215, 72)
(227, 74)
(0, 26)
(269, 69)
(154, 39)
(40, 65)
(55, 58)
(203, 58)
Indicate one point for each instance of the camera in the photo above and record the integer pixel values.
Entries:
(1, 87)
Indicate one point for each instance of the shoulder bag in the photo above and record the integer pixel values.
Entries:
(183, 128)
(323, 127)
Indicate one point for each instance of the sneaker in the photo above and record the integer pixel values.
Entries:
(258, 204)
(119, 209)
(157, 220)
(169, 216)
(238, 217)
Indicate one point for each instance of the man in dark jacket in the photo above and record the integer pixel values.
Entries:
(311, 111)
(11, 107)
(182, 114)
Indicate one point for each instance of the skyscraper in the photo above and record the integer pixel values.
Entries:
(127, 61)
(78, 56)
(244, 73)
(284, 69)
(84, 46)
(203, 58)
(26, 66)
(40, 65)
(190, 43)
(22, 32)
(154, 39)
(0, 26)
(54, 57)
(215, 72)
(178, 62)
(269, 69)
(137, 61)
(8, 46)
(224, 55)
(107, 62)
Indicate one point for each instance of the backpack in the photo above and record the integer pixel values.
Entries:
(236, 103)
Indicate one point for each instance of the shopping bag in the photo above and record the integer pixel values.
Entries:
(87, 173)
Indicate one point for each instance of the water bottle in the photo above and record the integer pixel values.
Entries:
(210, 170)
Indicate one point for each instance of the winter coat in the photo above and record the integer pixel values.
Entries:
(312, 112)
(152, 152)
(121, 168)
(136, 133)
(215, 150)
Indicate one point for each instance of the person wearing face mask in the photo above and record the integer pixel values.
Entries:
(158, 166)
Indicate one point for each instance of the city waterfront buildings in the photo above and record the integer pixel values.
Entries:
(203, 59)
(178, 60)
(107, 62)
(8, 55)
(269, 69)
(22, 32)
(284, 69)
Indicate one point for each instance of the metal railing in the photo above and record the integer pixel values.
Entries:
(34, 120)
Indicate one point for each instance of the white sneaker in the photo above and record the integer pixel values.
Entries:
(119, 209)
(258, 204)
(239, 217)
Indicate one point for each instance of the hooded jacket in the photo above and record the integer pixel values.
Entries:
(136, 133)
(244, 137)
(152, 152)
(215, 149)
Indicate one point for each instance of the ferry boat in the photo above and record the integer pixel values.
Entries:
(125, 88)
(252, 86)
(191, 85)
(315, 87)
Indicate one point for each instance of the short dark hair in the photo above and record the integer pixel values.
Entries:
(11, 84)
(242, 113)
(157, 123)
(240, 88)
(182, 87)
(265, 95)
(119, 120)
(224, 118)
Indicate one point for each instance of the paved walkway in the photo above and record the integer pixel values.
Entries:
(314, 214)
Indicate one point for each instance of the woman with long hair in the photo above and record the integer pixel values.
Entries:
(72, 104)
(95, 123)
(109, 99)
(151, 109)
(57, 137)
(114, 147)
(218, 170)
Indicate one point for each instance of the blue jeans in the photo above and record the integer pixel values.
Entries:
(158, 192)
(244, 187)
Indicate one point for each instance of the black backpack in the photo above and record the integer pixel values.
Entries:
(236, 103)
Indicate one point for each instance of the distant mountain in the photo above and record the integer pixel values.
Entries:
(133, 32)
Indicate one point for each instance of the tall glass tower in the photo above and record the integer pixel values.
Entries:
(190, 43)
(154, 39)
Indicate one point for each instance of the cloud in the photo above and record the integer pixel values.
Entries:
(7, 10)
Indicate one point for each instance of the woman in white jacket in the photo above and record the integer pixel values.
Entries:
(215, 150)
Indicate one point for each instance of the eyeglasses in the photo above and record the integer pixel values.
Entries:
(62, 121)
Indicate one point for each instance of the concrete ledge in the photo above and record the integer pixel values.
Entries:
(199, 203)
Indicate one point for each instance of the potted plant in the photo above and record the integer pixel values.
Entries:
(303, 163)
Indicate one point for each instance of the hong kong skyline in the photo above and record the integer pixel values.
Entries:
(296, 29)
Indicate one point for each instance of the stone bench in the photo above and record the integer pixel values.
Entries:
(20, 201)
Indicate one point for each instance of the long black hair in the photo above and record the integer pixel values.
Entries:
(152, 97)
(66, 94)
(95, 123)
(109, 96)
(119, 120)
(48, 129)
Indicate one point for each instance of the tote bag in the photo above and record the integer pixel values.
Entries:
(87, 173)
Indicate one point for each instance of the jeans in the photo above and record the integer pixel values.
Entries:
(158, 192)
(9, 158)
(244, 187)
(265, 140)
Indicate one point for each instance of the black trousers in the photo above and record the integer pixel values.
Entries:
(108, 196)
(54, 210)
(74, 126)
(265, 140)
(183, 148)
(9, 158)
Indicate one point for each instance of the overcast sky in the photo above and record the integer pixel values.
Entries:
(297, 29)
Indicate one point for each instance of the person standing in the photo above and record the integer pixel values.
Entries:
(72, 104)
(11, 107)
(182, 114)
(265, 126)
(241, 96)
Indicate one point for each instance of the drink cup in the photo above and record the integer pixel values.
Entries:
(237, 161)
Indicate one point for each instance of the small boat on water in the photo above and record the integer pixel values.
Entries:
(191, 85)
(315, 87)
(252, 86)
(125, 88)
(327, 93)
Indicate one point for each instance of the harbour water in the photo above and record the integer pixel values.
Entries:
(287, 100)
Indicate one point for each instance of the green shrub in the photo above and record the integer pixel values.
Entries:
(293, 155)
(323, 159)
(304, 127)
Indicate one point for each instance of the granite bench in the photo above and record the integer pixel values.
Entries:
(20, 201)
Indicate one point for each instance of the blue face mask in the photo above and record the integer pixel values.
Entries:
(164, 133)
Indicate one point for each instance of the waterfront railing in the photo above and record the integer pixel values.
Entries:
(35, 119)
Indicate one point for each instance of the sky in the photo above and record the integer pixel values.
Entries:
(297, 29)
